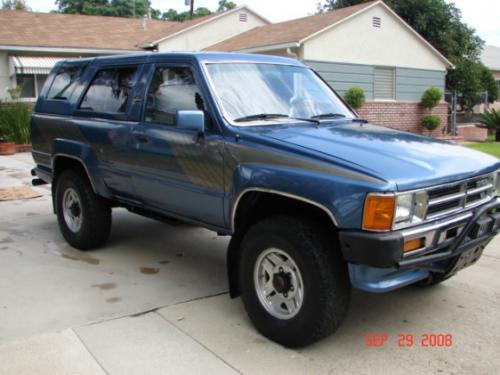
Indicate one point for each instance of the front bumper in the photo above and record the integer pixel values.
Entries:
(377, 262)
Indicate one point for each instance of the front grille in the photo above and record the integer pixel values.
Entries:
(458, 196)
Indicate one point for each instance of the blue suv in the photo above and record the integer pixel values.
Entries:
(260, 148)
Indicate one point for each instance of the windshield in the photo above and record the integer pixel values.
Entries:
(250, 92)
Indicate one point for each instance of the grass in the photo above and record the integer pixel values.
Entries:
(489, 146)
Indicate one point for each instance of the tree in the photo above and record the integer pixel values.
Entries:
(173, 15)
(491, 120)
(15, 5)
(337, 4)
(465, 79)
(116, 8)
(225, 5)
(488, 83)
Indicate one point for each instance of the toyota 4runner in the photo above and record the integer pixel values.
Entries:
(260, 148)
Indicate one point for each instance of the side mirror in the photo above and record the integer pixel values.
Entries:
(193, 120)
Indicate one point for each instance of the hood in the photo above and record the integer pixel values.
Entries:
(409, 160)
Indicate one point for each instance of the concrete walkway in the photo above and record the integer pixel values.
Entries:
(153, 301)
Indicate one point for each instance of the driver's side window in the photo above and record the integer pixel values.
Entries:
(172, 89)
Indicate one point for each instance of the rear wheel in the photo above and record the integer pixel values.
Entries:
(294, 283)
(84, 218)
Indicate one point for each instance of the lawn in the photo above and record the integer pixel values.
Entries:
(490, 147)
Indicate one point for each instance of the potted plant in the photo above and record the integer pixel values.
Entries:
(6, 147)
(14, 126)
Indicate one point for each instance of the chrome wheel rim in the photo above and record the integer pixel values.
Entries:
(72, 210)
(278, 283)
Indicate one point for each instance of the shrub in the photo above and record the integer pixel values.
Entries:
(430, 122)
(15, 122)
(491, 120)
(431, 97)
(355, 97)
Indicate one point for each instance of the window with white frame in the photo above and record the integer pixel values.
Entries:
(31, 84)
(30, 73)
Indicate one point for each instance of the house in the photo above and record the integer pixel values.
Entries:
(31, 43)
(366, 45)
(490, 57)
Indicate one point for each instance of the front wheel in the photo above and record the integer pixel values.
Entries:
(84, 218)
(294, 283)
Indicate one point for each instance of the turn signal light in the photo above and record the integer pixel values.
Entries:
(379, 212)
(415, 244)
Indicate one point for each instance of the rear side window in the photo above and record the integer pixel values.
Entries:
(64, 82)
(109, 91)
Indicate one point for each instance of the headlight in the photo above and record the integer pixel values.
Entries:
(404, 208)
(410, 208)
(393, 211)
(496, 181)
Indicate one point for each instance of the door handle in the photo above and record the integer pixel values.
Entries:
(140, 136)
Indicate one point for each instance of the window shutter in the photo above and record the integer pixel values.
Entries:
(384, 83)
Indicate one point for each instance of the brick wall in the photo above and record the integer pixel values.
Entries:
(403, 115)
(472, 133)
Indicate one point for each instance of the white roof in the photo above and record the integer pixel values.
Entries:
(490, 56)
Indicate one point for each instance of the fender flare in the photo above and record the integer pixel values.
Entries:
(83, 154)
(277, 192)
(233, 251)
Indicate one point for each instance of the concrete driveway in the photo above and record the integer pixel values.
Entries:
(154, 300)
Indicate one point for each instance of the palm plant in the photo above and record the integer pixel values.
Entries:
(491, 120)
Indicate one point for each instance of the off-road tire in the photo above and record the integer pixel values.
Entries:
(324, 274)
(96, 213)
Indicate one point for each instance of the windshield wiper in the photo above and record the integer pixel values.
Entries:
(259, 116)
(270, 116)
(328, 115)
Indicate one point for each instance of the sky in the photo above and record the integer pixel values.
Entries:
(480, 14)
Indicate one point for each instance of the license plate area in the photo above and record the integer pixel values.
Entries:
(468, 258)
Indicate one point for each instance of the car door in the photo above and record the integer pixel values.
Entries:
(178, 171)
(104, 119)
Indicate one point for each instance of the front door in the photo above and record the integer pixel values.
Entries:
(178, 171)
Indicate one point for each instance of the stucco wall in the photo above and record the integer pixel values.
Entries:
(212, 32)
(358, 41)
(410, 83)
(4, 75)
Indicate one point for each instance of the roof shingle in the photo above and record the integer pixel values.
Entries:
(18, 28)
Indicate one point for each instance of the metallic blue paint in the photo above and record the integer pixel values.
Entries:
(191, 120)
(410, 160)
(201, 178)
(381, 280)
(84, 154)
